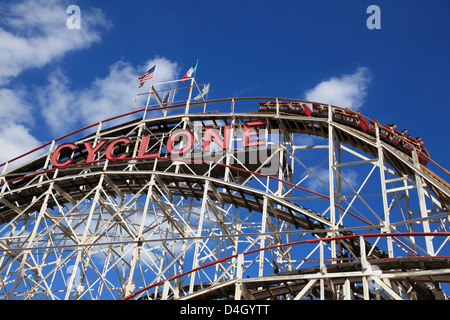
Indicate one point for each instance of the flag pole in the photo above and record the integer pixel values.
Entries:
(151, 84)
(156, 67)
(195, 72)
(190, 89)
(203, 98)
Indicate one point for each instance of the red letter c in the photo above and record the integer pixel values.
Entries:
(55, 156)
(110, 149)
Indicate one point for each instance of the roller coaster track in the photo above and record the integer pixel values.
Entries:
(273, 286)
(194, 227)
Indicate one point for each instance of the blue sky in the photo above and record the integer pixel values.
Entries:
(54, 80)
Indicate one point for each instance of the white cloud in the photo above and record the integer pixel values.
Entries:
(13, 108)
(15, 138)
(347, 91)
(35, 33)
(65, 109)
(319, 180)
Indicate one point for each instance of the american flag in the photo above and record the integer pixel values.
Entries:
(147, 76)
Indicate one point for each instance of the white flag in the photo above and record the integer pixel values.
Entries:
(203, 93)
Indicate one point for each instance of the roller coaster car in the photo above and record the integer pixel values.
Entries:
(319, 111)
(267, 106)
(396, 138)
(354, 119)
(409, 144)
(424, 156)
(307, 110)
(289, 107)
(372, 127)
(364, 125)
(339, 116)
(351, 118)
(386, 132)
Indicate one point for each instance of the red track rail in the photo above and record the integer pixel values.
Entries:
(88, 127)
(394, 236)
(192, 162)
(170, 107)
(221, 164)
(328, 239)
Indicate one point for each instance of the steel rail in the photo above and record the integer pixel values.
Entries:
(227, 166)
(183, 160)
(327, 239)
(191, 161)
(193, 104)
(300, 210)
(65, 170)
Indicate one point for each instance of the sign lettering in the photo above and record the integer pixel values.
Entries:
(179, 143)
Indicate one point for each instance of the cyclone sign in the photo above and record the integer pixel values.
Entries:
(179, 143)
